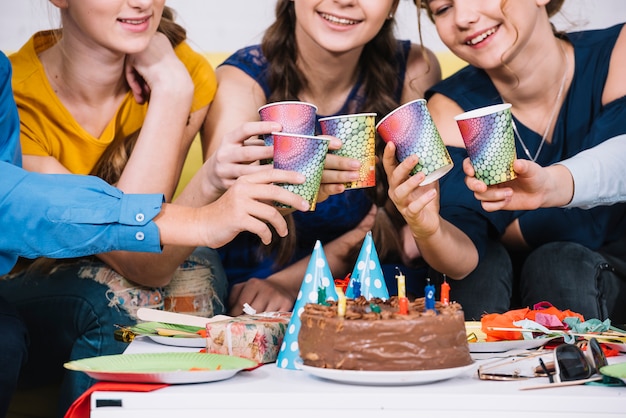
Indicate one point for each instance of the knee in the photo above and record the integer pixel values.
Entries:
(556, 258)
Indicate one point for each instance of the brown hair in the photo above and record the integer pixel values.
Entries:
(379, 83)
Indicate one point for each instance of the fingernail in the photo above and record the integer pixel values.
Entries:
(304, 205)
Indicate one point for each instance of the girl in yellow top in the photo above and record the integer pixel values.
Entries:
(108, 84)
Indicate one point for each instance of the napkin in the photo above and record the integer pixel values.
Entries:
(81, 406)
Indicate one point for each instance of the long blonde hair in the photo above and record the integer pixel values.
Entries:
(112, 162)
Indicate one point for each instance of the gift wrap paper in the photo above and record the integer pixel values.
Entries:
(250, 336)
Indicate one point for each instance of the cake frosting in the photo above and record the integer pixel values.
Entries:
(374, 336)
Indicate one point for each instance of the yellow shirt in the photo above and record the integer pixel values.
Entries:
(48, 129)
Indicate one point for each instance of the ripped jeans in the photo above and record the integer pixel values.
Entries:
(71, 313)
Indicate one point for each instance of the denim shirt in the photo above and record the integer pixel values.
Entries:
(63, 215)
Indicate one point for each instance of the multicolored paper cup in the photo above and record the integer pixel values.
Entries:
(305, 154)
(358, 136)
(295, 117)
(488, 136)
(411, 128)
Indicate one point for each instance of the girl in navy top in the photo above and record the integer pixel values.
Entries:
(568, 94)
(342, 57)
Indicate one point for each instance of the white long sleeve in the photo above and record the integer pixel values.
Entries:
(599, 174)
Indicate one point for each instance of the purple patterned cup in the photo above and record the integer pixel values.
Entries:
(305, 154)
(358, 137)
(488, 136)
(411, 128)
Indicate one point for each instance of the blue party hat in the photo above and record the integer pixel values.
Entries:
(367, 277)
(318, 284)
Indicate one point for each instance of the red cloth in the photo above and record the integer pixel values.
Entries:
(81, 406)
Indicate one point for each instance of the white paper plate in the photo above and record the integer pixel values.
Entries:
(170, 368)
(482, 346)
(178, 341)
(386, 378)
(501, 346)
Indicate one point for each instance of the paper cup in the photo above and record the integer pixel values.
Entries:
(305, 154)
(295, 117)
(488, 136)
(358, 136)
(411, 128)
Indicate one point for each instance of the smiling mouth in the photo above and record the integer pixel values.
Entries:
(338, 20)
(482, 36)
(134, 21)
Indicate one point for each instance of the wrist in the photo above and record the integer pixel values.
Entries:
(560, 190)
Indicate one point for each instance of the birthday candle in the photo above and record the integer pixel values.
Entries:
(341, 303)
(356, 285)
(401, 284)
(429, 293)
(321, 296)
(403, 306)
(445, 291)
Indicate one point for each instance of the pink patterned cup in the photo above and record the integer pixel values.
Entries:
(411, 128)
(295, 117)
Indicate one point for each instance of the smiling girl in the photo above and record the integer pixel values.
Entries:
(568, 94)
(340, 55)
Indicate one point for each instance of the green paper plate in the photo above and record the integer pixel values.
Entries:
(615, 370)
(147, 328)
(171, 368)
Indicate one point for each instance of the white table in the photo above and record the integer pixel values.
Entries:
(272, 392)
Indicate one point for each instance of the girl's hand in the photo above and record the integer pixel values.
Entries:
(239, 154)
(264, 295)
(534, 187)
(416, 204)
(248, 205)
(156, 67)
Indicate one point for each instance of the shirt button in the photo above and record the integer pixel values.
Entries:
(140, 236)
(139, 217)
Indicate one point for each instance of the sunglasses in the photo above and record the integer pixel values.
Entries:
(571, 363)
(513, 367)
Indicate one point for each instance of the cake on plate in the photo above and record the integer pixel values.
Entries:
(374, 336)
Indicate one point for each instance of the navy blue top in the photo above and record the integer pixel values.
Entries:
(243, 257)
(581, 123)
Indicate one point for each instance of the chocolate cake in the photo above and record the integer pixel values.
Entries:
(374, 336)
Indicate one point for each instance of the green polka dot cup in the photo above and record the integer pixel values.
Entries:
(358, 136)
(305, 154)
(411, 128)
(488, 136)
